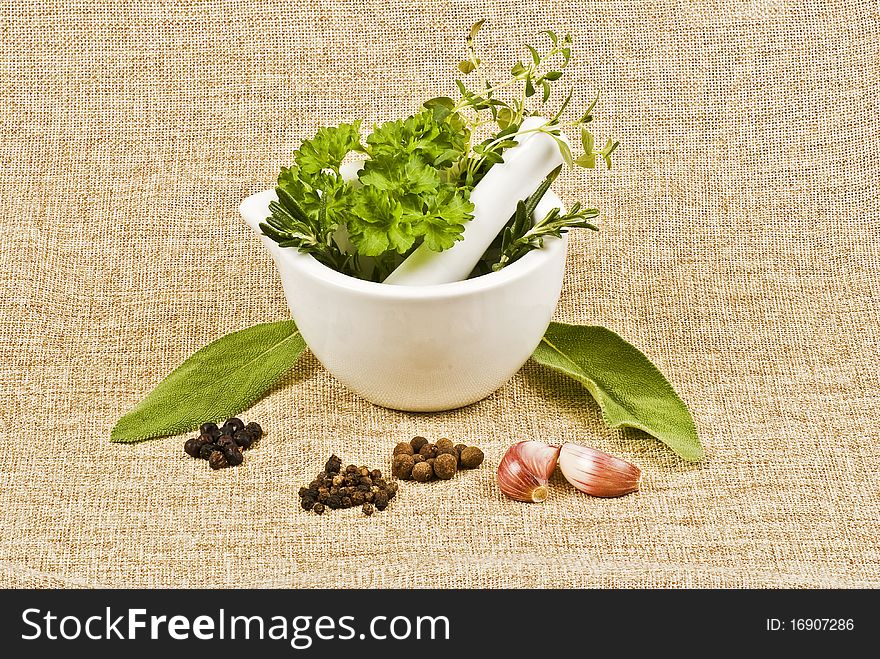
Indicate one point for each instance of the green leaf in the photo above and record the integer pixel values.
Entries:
(587, 140)
(565, 150)
(475, 29)
(551, 34)
(628, 388)
(466, 66)
(530, 88)
(536, 58)
(219, 381)
(553, 75)
(546, 87)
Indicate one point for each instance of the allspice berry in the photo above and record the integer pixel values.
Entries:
(458, 449)
(403, 448)
(445, 466)
(422, 472)
(417, 443)
(402, 466)
(417, 458)
(471, 457)
(428, 451)
(447, 450)
(444, 443)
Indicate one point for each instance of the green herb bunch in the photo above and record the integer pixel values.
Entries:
(418, 173)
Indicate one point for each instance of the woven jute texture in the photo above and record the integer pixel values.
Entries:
(739, 248)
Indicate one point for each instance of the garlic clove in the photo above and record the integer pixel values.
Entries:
(597, 473)
(524, 470)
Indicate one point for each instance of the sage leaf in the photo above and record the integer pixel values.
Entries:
(218, 381)
(629, 389)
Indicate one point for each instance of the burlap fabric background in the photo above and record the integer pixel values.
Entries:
(739, 248)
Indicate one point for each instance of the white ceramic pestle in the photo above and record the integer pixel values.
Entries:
(495, 197)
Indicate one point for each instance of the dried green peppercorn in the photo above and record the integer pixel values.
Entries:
(445, 466)
(417, 443)
(471, 457)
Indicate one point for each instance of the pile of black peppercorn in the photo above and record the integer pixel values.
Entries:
(336, 487)
(222, 446)
(422, 461)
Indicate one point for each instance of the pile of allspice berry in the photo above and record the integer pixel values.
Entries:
(222, 446)
(421, 461)
(336, 487)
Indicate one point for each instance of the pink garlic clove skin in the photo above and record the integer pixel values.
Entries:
(524, 470)
(597, 473)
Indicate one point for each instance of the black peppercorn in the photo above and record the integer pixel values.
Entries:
(368, 509)
(376, 474)
(381, 501)
(334, 464)
(206, 451)
(192, 447)
(217, 460)
(208, 428)
(318, 508)
(225, 440)
(307, 503)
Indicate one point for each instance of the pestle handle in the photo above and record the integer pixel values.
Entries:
(495, 198)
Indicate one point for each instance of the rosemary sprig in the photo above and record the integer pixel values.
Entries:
(520, 235)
